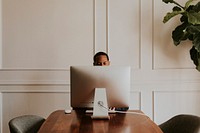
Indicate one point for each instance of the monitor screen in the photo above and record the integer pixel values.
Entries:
(84, 80)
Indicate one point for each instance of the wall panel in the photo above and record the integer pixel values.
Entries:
(135, 100)
(170, 103)
(100, 25)
(124, 40)
(47, 33)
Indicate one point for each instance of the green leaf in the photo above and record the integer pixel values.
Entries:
(198, 67)
(195, 56)
(176, 8)
(196, 41)
(197, 7)
(168, 1)
(193, 29)
(184, 18)
(193, 17)
(170, 15)
(180, 33)
(187, 4)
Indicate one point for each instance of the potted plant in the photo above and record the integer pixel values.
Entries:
(189, 29)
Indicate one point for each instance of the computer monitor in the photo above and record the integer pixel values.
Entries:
(84, 80)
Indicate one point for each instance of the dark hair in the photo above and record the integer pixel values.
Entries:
(98, 54)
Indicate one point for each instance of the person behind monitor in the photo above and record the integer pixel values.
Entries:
(102, 59)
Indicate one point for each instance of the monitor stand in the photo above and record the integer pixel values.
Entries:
(100, 109)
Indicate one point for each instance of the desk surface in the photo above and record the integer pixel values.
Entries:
(79, 122)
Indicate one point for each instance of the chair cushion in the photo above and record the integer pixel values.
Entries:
(26, 124)
(183, 123)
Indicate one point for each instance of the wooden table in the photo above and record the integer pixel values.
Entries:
(80, 122)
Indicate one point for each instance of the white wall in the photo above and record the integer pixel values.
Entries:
(1, 35)
(42, 38)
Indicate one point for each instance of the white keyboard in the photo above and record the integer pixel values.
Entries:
(91, 111)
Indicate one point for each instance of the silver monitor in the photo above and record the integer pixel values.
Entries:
(84, 80)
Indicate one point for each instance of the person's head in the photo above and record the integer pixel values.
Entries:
(101, 59)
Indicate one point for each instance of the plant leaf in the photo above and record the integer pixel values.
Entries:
(176, 8)
(196, 41)
(195, 56)
(198, 66)
(193, 17)
(197, 7)
(187, 4)
(170, 15)
(180, 33)
(193, 29)
(168, 1)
